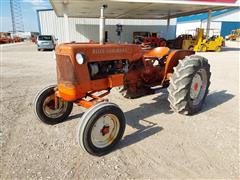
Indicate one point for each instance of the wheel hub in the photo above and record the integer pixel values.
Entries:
(50, 110)
(198, 86)
(195, 86)
(105, 130)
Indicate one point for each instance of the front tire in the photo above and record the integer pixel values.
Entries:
(189, 85)
(101, 128)
(45, 110)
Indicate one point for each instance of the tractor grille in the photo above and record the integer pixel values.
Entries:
(65, 70)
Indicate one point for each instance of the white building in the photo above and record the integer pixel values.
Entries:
(224, 22)
(85, 29)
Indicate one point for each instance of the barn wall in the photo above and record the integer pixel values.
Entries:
(227, 27)
(85, 29)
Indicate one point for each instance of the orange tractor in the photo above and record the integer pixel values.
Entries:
(87, 72)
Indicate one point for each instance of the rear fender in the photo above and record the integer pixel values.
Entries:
(158, 52)
(173, 60)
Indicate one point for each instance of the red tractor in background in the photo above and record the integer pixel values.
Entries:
(148, 40)
(152, 42)
(5, 37)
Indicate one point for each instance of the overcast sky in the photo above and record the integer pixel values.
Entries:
(29, 14)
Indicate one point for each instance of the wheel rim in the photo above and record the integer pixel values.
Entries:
(198, 86)
(49, 107)
(105, 130)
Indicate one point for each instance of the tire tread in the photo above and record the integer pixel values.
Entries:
(181, 80)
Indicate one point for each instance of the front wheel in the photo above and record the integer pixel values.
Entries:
(46, 110)
(101, 128)
(189, 85)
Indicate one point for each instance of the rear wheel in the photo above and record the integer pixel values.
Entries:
(189, 85)
(101, 128)
(45, 109)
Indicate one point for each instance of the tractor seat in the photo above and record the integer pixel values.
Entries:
(158, 52)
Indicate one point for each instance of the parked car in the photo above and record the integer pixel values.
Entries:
(47, 42)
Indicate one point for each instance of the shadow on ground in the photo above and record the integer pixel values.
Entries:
(76, 116)
(230, 49)
(161, 105)
(136, 118)
(215, 99)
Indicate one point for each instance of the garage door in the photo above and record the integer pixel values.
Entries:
(227, 27)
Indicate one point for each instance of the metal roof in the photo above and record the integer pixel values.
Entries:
(139, 9)
(204, 16)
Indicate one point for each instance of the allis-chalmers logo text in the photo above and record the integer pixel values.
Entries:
(109, 51)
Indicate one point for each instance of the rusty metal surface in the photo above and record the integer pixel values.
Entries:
(75, 82)
(65, 70)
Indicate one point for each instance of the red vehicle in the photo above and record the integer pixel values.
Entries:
(5, 37)
(148, 40)
(152, 42)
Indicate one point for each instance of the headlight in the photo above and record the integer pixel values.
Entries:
(80, 58)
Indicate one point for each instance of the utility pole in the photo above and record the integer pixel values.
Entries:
(16, 14)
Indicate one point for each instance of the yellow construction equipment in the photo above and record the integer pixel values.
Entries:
(199, 43)
(234, 36)
(214, 43)
(188, 43)
(193, 41)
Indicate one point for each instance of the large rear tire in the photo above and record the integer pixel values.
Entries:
(45, 110)
(189, 85)
(101, 128)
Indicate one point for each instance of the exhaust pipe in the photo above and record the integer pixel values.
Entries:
(102, 25)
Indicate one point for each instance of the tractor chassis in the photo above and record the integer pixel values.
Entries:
(102, 126)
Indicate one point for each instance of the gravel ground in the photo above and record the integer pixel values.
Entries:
(157, 143)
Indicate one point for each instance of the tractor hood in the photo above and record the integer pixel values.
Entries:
(96, 52)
